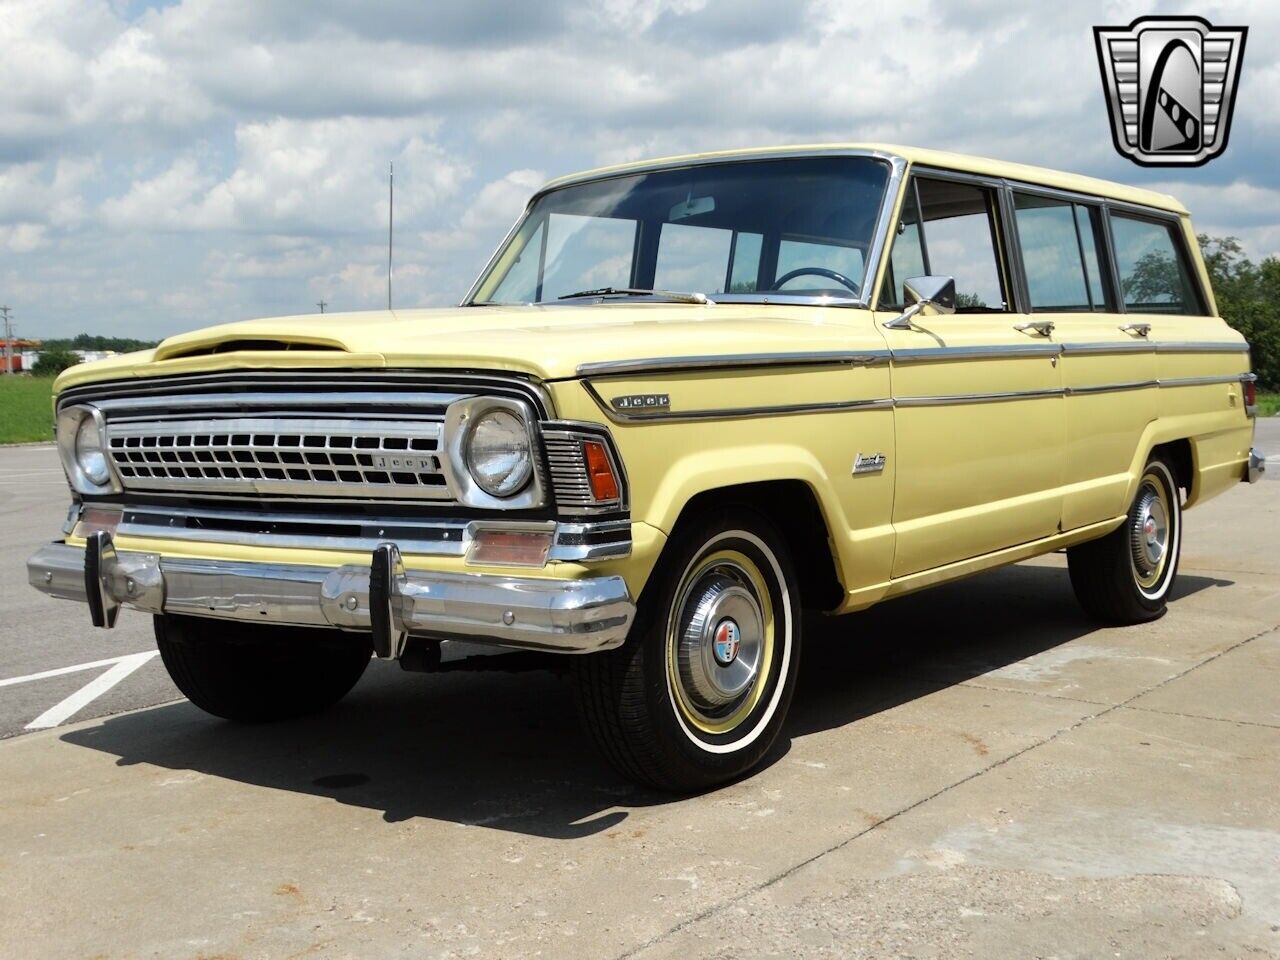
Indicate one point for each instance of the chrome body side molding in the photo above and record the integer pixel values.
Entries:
(619, 368)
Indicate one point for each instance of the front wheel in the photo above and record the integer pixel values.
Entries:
(253, 673)
(700, 690)
(1125, 577)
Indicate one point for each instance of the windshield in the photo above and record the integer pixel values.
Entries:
(796, 226)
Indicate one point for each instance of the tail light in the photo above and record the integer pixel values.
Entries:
(1251, 397)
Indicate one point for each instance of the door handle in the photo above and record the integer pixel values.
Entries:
(1141, 329)
(1041, 327)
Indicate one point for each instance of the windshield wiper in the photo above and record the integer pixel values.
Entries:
(672, 295)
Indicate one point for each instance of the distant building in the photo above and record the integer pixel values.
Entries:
(21, 350)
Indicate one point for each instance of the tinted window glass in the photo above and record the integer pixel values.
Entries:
(1153, 274)
(746, 262)
(959, 240)
(586, 253)
(1059, 254)
(906, 260)
(801, 255)
(692, 258)
(1051, 254)
(675, 229)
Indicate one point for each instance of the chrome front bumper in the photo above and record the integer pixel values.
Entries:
(1257, 466)
(564, 616)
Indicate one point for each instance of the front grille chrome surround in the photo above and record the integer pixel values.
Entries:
(315, 457)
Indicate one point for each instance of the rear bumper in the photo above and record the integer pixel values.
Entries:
(1257, 466)
(565, 616)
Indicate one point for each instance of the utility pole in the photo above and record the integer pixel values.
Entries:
(8, 341)
(322, 303)
(391, 219)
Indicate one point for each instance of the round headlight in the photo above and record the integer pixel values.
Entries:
(90, 456)
(498, 453)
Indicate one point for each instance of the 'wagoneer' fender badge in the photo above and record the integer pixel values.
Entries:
(869, 464)
(643, 401)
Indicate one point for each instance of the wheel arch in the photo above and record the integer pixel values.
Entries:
(795, 509)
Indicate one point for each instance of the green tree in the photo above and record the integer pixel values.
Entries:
(1248, 296)
(53, 362)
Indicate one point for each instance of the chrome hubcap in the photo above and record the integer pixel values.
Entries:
(720, 640)
(1150, 533)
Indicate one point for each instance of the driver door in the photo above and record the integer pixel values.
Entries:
(978, 402)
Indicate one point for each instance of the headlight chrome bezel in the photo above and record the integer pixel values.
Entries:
(69, 422)
(461, 419)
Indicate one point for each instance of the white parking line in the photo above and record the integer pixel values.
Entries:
(121, 667)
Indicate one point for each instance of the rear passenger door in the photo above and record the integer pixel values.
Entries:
(1108, 366)
(978, 402)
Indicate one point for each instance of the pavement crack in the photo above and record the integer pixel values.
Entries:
(916, 804)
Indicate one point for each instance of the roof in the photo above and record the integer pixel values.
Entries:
(916, 156)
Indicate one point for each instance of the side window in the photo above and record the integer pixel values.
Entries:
(1154, 276)
(1059, 242)
(960, 241)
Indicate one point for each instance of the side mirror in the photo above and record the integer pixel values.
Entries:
(925, 295)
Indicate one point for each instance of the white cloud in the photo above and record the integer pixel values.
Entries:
(212, 159)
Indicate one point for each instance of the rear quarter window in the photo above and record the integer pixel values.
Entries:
(1155, 272)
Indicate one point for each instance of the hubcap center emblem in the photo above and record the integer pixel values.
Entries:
(1150, 529)
(728, 638)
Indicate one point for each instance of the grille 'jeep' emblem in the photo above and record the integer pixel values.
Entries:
(397, 461)
(1171, 86)
(642, 401)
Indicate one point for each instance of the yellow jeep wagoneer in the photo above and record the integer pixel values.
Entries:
(686, 400)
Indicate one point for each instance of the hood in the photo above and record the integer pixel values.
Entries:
(545, 342)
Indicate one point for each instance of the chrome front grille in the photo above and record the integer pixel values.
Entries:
(308, 457)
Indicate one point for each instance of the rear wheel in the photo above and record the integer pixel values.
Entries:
(700, 690)
(251, 672)
(1125, 577)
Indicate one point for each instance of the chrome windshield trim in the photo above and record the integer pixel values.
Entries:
(617, 368)
(714, 160)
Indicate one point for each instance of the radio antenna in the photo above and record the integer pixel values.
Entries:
(391, 220)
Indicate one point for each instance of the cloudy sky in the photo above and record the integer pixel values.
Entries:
(167, 166)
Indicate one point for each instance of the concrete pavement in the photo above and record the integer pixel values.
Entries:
(975, 771)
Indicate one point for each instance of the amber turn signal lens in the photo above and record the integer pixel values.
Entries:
(525, 549)
(604, 485)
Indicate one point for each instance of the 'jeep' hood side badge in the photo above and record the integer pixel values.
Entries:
(643, 401)
(1171, 86)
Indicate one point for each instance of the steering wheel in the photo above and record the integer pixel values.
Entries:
(815, 272)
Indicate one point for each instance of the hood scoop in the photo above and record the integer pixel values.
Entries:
(181, 349)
